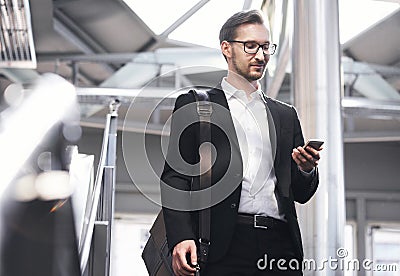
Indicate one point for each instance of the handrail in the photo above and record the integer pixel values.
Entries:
(85, 243)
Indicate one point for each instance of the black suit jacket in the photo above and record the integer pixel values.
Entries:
(227, 171)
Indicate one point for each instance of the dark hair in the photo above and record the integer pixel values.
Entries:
(228, 30)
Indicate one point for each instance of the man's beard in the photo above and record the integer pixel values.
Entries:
(247, 74)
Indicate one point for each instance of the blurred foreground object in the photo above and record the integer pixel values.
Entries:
(36, 122)
(37, 228)
(56, 219)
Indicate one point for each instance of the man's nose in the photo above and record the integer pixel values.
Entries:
(260, 54)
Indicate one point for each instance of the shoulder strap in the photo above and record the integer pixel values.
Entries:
(204, 109)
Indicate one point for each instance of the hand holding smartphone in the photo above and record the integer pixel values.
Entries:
(307, 157)
(314, 143)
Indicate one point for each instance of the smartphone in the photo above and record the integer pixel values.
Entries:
(314, 143)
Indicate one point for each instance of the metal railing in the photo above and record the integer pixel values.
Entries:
(95, 246)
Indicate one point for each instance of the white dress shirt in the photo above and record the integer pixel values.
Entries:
(252, 130)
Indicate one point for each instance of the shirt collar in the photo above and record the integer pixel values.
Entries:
(230, 90)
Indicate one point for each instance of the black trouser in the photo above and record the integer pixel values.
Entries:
(252, 252)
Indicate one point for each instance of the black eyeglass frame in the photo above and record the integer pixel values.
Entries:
(271, 51)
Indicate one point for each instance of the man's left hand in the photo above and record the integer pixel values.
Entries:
(307, 159)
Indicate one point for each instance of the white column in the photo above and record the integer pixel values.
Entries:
(316, 79)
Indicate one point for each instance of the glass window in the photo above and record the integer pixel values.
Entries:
(386, 250)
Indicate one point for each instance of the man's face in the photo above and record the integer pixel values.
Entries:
(249, 66)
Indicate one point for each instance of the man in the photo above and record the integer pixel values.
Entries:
(258, 154)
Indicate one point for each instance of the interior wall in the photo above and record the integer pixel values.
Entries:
(372, 166)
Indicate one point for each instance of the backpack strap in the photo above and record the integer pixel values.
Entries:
(204, 110)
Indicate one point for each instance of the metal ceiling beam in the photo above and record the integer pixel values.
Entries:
(51, 56)
(18, 75)
(84, 40)
(383, 70)
(371, 136)
(104, 58)
(148, 45)
(184, 18)
(362, 107)
(74, 34)
(63, 30)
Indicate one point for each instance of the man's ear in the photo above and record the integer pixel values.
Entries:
(226, 49)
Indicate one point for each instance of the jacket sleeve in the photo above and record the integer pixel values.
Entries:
(303, 187)
(177, 173)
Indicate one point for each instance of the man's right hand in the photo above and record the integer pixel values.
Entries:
(180, 263)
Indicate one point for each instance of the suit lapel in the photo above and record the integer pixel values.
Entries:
(283, 147)
(274, 126)
(282, 168)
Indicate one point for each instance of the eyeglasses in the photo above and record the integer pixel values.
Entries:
(252, 47)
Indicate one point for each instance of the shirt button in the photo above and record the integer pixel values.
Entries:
(233, 205)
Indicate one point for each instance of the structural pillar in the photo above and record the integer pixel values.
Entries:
(317, 89)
